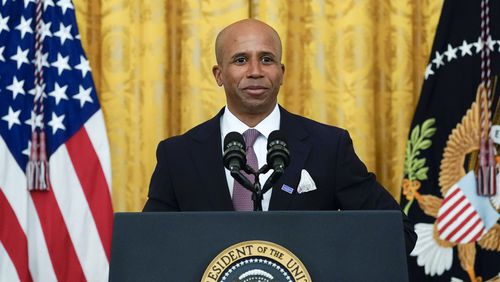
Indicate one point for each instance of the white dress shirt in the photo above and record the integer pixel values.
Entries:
(229, 123)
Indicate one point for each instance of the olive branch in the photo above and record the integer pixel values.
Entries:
(414, 167)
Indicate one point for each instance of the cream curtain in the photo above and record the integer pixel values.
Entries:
(356, 64)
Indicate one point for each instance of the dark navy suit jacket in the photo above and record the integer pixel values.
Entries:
(190, 176)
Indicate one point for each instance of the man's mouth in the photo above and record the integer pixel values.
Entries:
(255, 89)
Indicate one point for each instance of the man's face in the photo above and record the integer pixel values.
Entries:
(250, 70)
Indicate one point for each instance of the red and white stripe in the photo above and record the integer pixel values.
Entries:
(63, 234)
(458, 221)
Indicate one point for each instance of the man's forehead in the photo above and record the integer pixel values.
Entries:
(249, 41)
(247, 32)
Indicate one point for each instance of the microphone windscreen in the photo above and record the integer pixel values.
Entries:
(275, 136)
(234, 137)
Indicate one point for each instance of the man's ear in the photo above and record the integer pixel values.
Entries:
(282, 73)
(217, 74)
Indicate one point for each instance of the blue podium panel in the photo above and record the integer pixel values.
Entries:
(332, 245)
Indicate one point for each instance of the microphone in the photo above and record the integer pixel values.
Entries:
(278, 155)
(234, 157)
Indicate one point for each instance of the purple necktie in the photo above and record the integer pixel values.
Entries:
(242, 197)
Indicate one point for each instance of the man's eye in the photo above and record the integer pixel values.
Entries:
(240, 60)
(267, 59)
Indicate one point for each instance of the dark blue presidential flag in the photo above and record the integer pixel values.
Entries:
(450, 186)
(55, 181)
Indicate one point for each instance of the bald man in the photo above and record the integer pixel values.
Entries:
(324, 172)
(249, 67)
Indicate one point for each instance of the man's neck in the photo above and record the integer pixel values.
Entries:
(229, 122)
(252, 120)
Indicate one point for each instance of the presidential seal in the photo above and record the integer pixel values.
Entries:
(256, 261)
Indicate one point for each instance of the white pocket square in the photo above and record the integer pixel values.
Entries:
(306, 183)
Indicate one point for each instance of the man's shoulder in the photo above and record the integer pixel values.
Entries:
(313, 127)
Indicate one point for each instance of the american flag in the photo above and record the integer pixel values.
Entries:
(464, 216)
(63, 234)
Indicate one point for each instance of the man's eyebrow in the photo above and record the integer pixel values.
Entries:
(245, 54)
(240, 54)
(266, 53)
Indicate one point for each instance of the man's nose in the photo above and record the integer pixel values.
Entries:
(254, 69)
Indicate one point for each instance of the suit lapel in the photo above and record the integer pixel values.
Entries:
(207, 156)
(299, 150)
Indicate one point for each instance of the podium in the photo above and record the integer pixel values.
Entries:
(327, 245)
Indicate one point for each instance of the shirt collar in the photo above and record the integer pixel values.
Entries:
(229, 122)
